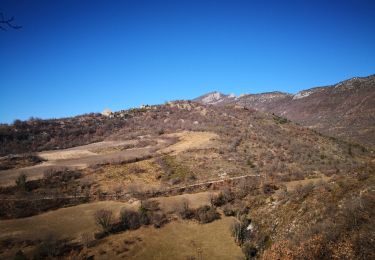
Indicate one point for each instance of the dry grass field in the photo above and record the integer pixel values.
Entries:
(191, 140)
(62, 223)
(83, 156)
(73, 223)
(70, 222)
(176, 240)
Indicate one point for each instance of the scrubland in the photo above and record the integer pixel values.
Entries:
(183, 181)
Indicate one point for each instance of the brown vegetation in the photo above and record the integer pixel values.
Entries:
(259, 167)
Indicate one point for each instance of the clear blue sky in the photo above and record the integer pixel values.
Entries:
(74, 57)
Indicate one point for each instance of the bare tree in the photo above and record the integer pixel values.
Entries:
(7, 23)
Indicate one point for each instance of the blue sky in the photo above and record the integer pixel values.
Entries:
(74, 57)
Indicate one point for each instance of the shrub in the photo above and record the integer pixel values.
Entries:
(118, 191)
(237, 232)
(237, 209)
(206, 214)
(185, 212)
(249, 250)
(269, 188)
(103, 218)
(239, 229)
(279, 119)
(130, 219)
(233, 145)
(20, 255)
(144, 215)
(54, 177)
(21, 182)
(222, 198)
(159, 219)
(350, 150)
(229, 210)
(302, 191)
(49, 248)
(87, 239)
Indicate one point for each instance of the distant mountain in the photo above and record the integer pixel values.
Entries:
(215, 98)
(345, 110)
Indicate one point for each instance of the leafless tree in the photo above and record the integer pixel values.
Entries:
(6, 23)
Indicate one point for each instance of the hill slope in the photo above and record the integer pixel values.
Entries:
(256, 161)
(345, 110)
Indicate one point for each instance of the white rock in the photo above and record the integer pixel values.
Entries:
(107, 112)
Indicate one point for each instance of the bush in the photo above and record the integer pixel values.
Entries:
(222, 198)
(229, 210)
(55, 177)
(146, 211)
(206, 214)
(20, 256)
(87, 239)
(49, 248)
(159, 220)
(279, 119)
(218, 200)
(150, 205)
(302, 191)
(103, 218)
(185, 212)
(249, 251)
(21, 182)
(130, 219)
(144, 215)
(269, 188)
(239, 230)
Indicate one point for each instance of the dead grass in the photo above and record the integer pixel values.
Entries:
(196, 200)
(68, 222)
(291, 185)
(65, 154)
(82, 151)
(72, 222)
(8, 177)
(177, 240)
(143, 174)
(190, 140)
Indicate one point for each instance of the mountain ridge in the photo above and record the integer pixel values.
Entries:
(345, 109)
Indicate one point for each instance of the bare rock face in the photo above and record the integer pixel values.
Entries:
(215, 98)
(345, 110)
(107, 112)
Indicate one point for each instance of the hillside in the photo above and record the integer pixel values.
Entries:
(345, 110)
(250, 182)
